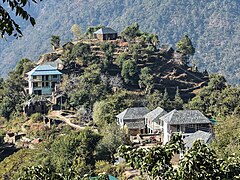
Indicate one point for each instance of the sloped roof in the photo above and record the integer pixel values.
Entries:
(44, 69)
(135, 124)
(155, 114)
(205, 136)
(105, 30)
(54, 63)
(36, 99)
(133, 113)
(185, 117)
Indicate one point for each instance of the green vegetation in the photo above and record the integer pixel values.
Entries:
(214, 32)
(100, 80)
(200, 162)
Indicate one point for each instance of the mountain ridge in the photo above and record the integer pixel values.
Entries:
(212, 26)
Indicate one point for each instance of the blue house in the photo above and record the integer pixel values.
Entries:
(43, 79)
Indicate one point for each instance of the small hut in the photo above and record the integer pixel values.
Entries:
(105, 33)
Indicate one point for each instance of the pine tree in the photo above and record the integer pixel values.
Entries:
(178, 102)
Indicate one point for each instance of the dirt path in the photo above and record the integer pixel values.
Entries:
(58, 115)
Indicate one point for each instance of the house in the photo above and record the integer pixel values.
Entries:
(153, 122)
(133, 120)
(184, 121)
(206, 137)
(42, 79)
(58, 63)
(105, 33)
(37, 104)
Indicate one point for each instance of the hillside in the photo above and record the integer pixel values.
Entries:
(212, 25)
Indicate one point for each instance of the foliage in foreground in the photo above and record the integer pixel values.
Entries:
(200, 162)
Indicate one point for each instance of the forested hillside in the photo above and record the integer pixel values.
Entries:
(212, 25)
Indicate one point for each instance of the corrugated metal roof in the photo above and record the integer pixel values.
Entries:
(38, 73)
(205, 136)
(45, 69)
(133, 113)
(105, 30)
(185, 117)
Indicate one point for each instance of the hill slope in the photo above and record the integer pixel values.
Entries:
(212, 25)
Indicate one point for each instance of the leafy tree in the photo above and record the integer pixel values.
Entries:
(146, 79)
(200, 162)
(23, 66)
(135, 51)
(121, 58)
(217, 99)
(131, 32)
(108, 48)
(185, 47)
(113, 137)
(155, 161)
(81, 53)
(14, 95)
(105, 111)
(75, 29)
(129, 70)
(9, 26)
(154, 100)
(150, 39)
(74, 150)
(55, 42)
(227, 137)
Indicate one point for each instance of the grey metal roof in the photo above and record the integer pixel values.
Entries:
(105, 30)
(133, 113)
(135, 124)
(44, 69)
(185, 117)
(155, 114)
(205, 136)
(54, 63)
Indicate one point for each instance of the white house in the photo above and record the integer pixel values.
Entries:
(153, 121)
(185, 121)
(133, 120)
(42, 79)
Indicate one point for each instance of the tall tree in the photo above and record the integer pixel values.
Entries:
(55, 42)
(129, 70)
(146, 79)
(185, 47)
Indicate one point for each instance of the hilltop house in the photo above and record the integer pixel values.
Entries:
(133, 120)
(185, 121)
(42, 79)
(153, 122)
(105, 33)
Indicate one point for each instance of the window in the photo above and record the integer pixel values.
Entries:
(42, 84)
(54, 76)
(34, 77)
(47, 84)
(46, 77)
(35, 84)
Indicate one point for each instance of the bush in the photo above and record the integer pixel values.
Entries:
(36, 117)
